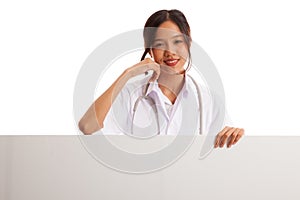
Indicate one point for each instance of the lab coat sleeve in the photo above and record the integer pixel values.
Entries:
(217, 108)
(227, 121)
(117, 120)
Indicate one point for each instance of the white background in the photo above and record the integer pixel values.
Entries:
(254, 44)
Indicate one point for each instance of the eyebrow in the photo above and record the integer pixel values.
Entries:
(175, 36)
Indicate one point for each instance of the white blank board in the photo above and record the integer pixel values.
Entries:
(59, 167)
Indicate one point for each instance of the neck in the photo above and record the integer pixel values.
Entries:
(170, 82)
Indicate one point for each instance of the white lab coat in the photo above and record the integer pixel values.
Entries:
(119, 118)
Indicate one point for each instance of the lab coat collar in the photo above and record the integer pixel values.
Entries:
(153, 86)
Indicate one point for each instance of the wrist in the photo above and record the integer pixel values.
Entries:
(127, 74)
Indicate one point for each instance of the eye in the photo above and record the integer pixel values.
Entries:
(158, 44)
(178, 41)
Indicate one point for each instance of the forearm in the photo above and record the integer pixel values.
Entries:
(94, 117)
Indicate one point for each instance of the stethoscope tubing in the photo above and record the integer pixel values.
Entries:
(144, 96)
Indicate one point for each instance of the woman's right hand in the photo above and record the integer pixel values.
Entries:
(94, 117)
(144, 66)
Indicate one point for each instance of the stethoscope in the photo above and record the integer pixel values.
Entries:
(152, 103)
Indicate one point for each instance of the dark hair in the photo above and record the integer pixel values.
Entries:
(156, 19)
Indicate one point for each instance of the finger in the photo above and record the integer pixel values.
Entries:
(156, 71)
(156, 68)
(226, 136)
(153, 77)
(219, 136)
(233, 137)
(241, 133)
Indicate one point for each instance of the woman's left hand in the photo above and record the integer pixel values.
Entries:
(229, 136)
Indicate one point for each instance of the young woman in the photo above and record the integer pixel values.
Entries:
(167, 41)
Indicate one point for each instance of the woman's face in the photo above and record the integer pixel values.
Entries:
(169, 47)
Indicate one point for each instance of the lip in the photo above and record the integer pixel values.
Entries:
(171, 62)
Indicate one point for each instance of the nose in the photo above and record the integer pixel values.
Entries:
(170, 50)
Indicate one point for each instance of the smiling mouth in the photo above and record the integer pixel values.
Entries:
(171, 62)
